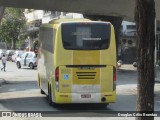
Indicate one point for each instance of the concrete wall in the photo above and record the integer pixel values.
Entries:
(122, 8)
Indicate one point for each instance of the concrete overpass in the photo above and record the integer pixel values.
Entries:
(122, 8)
(109, 10)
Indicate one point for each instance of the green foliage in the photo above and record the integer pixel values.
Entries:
(12, 24)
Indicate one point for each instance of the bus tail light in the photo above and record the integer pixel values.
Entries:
(57, 78)
(114, 78)
(57, 74)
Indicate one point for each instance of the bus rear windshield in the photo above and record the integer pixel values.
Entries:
(86, 36)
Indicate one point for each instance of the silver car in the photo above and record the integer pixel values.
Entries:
(16, 54)
(27, 59)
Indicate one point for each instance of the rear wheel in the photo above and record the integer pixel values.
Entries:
(42, 92)
(50, 98)
(31, 65)
(18, 65)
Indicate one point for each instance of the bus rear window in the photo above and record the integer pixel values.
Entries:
(86, 36)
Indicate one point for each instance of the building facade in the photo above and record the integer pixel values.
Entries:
(37, 17)
(128, 41)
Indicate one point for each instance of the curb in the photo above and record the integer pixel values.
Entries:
(2, 81)
(157, 80)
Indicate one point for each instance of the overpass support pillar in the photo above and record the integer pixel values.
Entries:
(116, 22)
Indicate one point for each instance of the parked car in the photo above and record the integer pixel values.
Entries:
(9, 54)
(27, 59)
(16, 54)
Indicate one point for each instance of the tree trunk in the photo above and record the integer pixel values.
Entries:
(13, 44)
(145, 22)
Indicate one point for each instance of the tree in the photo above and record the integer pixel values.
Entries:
(145, 22)
(12, 23)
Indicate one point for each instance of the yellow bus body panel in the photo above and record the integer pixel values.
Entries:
(96, 83)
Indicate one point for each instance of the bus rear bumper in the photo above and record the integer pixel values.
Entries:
(62, 98)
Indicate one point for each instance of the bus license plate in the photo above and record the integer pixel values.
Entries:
(86, 96)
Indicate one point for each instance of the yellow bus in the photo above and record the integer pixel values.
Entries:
(77, 61)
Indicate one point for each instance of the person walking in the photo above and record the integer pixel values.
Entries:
(4, 63)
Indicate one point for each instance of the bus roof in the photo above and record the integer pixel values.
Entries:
(68, 20)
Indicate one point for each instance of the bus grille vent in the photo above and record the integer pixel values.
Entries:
(86, 75)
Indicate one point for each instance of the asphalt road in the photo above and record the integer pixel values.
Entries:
(20, 92)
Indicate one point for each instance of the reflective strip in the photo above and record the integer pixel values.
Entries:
(80, 98)
(86, 88)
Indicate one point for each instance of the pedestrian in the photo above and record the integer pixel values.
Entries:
(3, 63)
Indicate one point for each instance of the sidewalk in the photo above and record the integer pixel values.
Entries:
(129, 67)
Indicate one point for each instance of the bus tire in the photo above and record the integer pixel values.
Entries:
(50, 96)
(42, 92)
(51, 103)
(54, 104)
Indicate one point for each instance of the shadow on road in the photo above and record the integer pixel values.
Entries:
(126, 77)
(16, 86)
(27, 68)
